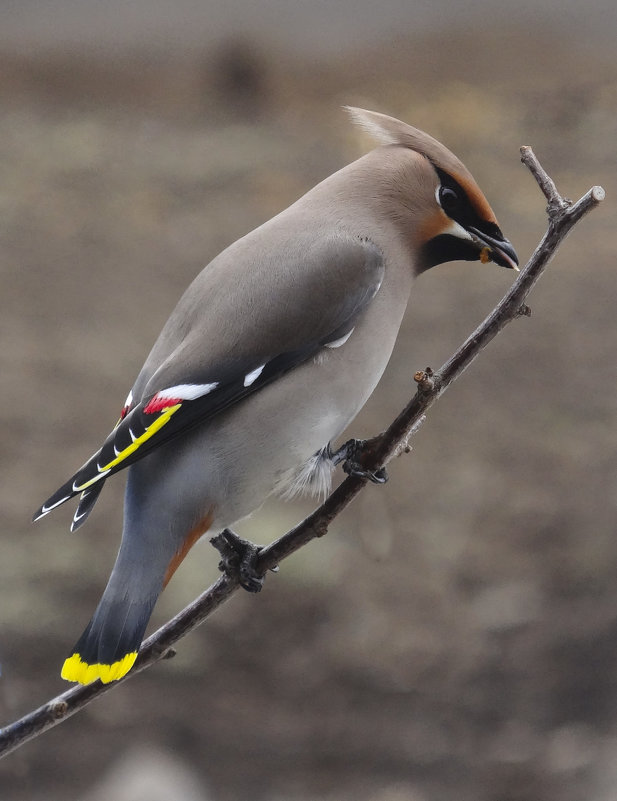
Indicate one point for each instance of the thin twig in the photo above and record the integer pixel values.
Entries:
(545, 182)
(563, 215)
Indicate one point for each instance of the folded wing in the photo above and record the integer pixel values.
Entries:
(183, 393)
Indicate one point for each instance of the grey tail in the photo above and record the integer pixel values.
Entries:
(109, 645)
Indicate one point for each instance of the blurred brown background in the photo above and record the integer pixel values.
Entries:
(455, 636)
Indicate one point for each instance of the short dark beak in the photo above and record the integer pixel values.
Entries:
(500, 250)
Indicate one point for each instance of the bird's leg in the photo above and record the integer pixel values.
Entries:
(238, 557)
(348, 454)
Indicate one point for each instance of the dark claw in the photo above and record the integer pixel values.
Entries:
(348, 454)
(238, 558)
(379, 476)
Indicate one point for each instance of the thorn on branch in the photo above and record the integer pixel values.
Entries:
(523, 310)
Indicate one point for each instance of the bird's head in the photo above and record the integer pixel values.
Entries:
(454, 219)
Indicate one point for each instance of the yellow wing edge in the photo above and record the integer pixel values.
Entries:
(135, 445)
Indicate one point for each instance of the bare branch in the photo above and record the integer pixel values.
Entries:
(562, 216)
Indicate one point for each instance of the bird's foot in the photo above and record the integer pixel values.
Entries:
(238, 558)
(349, 454)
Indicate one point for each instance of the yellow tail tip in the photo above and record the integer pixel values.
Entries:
(75, 669)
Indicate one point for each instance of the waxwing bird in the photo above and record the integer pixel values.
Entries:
(268, 356)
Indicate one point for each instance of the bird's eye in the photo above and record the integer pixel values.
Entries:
(448, 199)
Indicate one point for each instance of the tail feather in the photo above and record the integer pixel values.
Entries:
(109, 645)
(152, 547)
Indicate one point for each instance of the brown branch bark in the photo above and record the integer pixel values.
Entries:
(562, 216)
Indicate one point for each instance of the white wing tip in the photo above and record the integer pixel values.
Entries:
(45, 510)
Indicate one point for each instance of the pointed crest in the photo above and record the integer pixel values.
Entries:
(390, 131)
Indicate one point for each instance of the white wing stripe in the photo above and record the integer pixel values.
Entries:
(186, 391)
(251, 377)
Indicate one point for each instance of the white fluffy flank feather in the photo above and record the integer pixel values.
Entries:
(314, 478)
